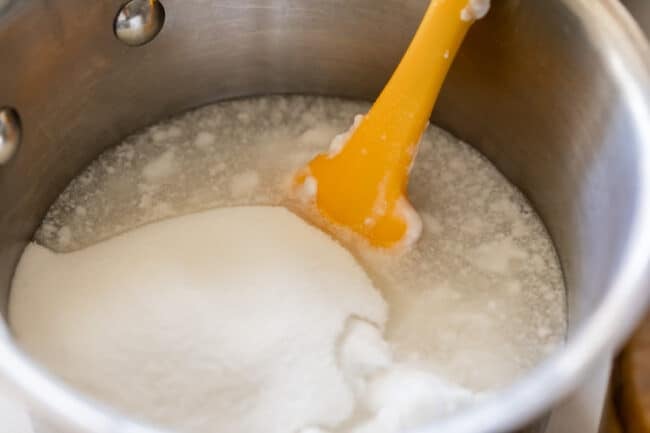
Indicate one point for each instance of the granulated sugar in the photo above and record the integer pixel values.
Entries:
(475, 304)
(224, 319)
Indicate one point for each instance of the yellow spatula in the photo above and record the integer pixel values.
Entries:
(363, 184)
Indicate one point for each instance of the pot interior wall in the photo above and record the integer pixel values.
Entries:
(528, 89)
(640, 9)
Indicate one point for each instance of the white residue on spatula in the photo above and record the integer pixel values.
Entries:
(475, 10)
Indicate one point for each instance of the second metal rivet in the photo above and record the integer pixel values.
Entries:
(10, 134)
(139, 21)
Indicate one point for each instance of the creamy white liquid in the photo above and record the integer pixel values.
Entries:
(477, 302)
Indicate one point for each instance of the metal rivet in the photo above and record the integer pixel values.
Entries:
(10, 133)
(139, 21)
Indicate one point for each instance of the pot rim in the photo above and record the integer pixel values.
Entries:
(626, 53)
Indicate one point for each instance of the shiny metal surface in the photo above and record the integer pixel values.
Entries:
(139, 21)
(4, 4)
(640, 10)
(556, 93)
(10, 133)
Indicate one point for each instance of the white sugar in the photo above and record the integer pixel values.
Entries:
(232, 314)
(238, 311)
(482, 286)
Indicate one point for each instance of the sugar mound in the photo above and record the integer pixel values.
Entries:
(396, 396)
(222, 321)
(240, 320)
(406, 397)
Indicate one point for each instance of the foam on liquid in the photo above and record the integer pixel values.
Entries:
(477, 302)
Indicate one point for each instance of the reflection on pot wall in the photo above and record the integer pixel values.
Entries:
(640, 9)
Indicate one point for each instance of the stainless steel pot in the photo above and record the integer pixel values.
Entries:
(556, 93)
(640, 10)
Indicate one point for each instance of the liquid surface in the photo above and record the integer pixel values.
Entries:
(477, 302)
